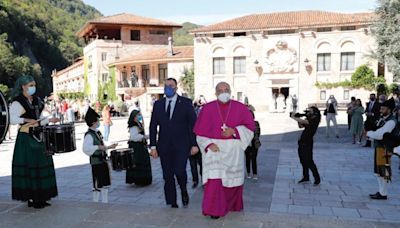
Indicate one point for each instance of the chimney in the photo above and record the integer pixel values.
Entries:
(170, 49)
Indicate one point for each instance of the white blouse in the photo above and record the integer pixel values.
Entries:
(88, 147)
(134, 134)
(16, 110)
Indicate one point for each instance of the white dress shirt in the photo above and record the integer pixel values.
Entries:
(88, 147)
(16, 110)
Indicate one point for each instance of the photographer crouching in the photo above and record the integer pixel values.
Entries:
(310, 124)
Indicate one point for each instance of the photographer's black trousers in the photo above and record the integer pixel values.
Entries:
(305, 151)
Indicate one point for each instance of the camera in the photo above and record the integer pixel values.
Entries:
(298, 115)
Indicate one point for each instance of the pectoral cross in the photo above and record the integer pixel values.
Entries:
(224, 127)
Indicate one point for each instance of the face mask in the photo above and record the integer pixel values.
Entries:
(140, 118)
(31, 90)
(169, 91)
(224, 97)
(97, 125)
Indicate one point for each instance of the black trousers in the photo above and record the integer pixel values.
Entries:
(251, 159)
(305, 152)
(195, 160)
(348, 121)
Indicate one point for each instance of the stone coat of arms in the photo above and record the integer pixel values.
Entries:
(281, 59)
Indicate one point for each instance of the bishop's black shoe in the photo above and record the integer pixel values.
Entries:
(379, 197)
(215, 217)
(185, 198)
(303, 180)
(371, 195)
(174, 205)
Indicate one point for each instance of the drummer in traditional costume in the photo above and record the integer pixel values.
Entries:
(224, 130)
(33, 176)
(93, 146)
(382, 168)
(141, 173)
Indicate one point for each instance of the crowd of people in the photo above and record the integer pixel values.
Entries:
(220, 139)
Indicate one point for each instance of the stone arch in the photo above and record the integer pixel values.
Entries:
(217, 51)
(240, 50)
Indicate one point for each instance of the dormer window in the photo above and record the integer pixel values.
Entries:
(216, 35)
(239, 34)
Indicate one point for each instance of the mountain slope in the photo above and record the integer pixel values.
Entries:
(37, 36)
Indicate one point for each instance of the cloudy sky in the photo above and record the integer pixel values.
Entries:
(206, 12)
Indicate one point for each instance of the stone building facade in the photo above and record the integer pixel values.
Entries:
(286, 53)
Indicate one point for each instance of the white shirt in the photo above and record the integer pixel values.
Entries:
(173, 102)
(16, 110)
(134, 134)
(378, 134)
(88, 147)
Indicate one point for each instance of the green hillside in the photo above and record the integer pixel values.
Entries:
(182, 36)
(37, 36)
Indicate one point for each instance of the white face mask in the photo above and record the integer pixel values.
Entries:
(224, 97)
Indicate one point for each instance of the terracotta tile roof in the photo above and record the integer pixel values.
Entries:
(159, 55)
(126, 19)
(288, 20)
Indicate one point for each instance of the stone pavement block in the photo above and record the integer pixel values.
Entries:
(322, 211)
(308, 210)
(390, 214)
(306, 202)
(358, 205)
(370, 214)
(345, 212)
(283, 208)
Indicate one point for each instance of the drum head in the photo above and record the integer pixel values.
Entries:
(4, 117)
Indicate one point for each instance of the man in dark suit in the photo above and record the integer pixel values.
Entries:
(175, 117)
(372, 111)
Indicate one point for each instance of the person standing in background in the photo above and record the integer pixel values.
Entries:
(106, 121)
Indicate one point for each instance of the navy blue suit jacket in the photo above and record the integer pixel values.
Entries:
(175, 134)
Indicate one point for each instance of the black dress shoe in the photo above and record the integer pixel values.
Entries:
(371, 195)
(185, 198)
(30, 203)
(195, 184)
(215, 217)
(38, 205)
(317, 181)
(379, 197)
(46, 204)
(174, 206)
(303, 180)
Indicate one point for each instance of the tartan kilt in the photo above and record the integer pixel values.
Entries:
(33, 176)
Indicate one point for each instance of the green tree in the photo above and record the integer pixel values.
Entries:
(182, 36)
(187, 82)
(386, 30)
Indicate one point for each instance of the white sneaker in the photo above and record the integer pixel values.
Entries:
(255, 178)
(248, 176)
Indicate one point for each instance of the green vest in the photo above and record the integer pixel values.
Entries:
(98, 157)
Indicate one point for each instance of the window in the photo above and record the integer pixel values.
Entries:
(135, 35)
(162, 73)
(146, 74)
(104, 77)
(90, 62)
(325, 29)
(322, 95)
(239, 65)
(219, 65)
(347, 61)
(219, 35)
(239, 34)
(239, 96)
(346, 94)
(347, 28)
(324, 62)
(158, 32)
(286, 31)
(104, 56)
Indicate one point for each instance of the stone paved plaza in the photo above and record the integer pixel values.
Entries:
(275, 200)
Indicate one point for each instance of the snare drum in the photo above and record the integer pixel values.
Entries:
(4, 117)
(59, 138)
(122, 159)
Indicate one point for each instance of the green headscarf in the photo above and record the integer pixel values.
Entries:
(23, 80)
(131, 120)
